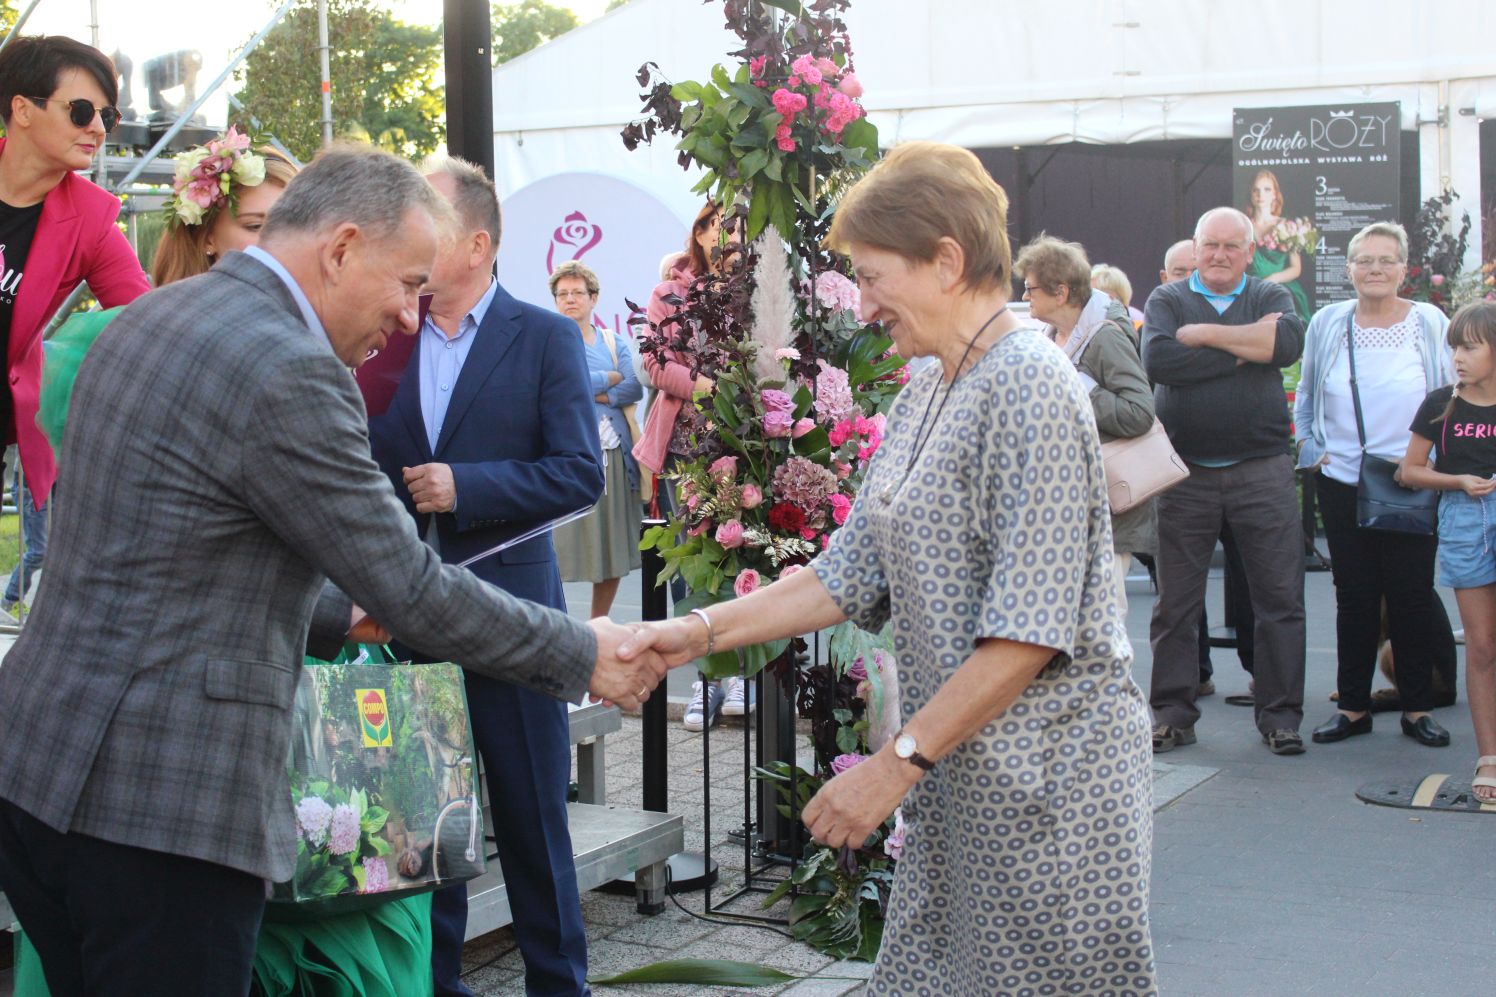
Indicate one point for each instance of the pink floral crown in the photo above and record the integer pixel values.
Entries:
(207, 175)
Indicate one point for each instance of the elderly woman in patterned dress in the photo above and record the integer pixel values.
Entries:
(982, 531)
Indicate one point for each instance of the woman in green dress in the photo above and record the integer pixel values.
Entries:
(381, 951)
(1282, 266)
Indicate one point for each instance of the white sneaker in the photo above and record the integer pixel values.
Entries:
(702, 706)
(738, 698)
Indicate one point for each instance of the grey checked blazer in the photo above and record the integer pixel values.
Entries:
(215, 474)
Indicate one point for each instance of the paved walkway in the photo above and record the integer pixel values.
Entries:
(1269, 877)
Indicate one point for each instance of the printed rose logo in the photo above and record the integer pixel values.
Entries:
(575, 237)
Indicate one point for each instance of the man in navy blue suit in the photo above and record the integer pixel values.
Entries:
(493, 429)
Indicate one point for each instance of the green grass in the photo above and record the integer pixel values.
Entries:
(10, 551)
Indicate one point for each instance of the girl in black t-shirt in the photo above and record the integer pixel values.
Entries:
(1458, 424)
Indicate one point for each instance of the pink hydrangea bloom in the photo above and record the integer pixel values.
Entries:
(753, 497)
(778, 425)
(842, 432)
(746, 583)
(893, 845)
(788, 103)
(834, 290)
(777, 401)
(804, 483)
(730, 534)
(376, 874)
(841, 763)
(850, 85)
(343, 834)
(841, 508)
(834, 401)
(787, 353)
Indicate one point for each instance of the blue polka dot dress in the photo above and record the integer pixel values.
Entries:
(1025, 869)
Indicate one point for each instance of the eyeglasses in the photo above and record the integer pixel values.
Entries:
(1380, 262)
(567, 295)
(81, 111)
(1031, 288)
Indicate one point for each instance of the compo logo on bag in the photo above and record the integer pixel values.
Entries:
(374, 718)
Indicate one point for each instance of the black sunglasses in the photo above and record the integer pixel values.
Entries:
(81, 111)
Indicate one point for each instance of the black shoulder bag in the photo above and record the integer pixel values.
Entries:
(1381, 502)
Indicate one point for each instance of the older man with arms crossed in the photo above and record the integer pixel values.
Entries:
(493, 429)
(218, 476)
(1214, 345)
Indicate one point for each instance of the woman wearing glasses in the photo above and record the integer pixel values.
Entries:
(56, 229)
(1400, 356)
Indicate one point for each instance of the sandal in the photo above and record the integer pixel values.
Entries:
(1486, 782)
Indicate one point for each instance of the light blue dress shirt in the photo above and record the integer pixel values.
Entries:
(307, 311)
(1220, 302)
(442, 360)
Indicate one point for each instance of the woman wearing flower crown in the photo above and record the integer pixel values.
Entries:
(1280, 264)
(225, 173)
(222, 193)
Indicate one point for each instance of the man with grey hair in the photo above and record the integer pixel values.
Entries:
(1214, 346)
(221, 501)
(491, 429)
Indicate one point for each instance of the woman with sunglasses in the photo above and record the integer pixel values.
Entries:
(57, 230)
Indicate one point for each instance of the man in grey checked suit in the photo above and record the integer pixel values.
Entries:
(221, 501)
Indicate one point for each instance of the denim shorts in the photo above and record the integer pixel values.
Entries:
(1467, 540)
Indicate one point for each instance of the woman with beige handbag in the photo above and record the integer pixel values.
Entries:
(1098, 337)
(603, 546)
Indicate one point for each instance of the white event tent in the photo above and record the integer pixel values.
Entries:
(999, 73)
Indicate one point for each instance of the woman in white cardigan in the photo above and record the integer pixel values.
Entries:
(1400, 356)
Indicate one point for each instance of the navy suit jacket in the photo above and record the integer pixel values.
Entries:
(520, 436)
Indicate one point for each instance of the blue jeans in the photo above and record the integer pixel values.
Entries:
(33, 536)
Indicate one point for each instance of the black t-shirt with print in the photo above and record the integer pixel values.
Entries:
(1465, 443)
(17, 231)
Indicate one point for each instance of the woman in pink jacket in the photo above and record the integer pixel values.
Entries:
(57, 230)
(673, 419)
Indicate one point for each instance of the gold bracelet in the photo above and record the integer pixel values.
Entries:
(711, 634)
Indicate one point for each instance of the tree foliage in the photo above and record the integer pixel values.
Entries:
(519, 27)
(383, 80)
(7, 16)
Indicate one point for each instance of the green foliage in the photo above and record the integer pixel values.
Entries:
(7, 16)
(383, 80)
(517, 28)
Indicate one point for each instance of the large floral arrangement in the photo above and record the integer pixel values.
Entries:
(207, 176)
(1436, 253)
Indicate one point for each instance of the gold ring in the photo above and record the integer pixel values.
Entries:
(643, 691)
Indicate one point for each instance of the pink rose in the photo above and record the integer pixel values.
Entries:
(723, 468)
(1436, 279)
(850, 85)
(841, 508)
(788, 103)
(802, 427)
(730, 534)
(756, 65)
(808, 533)
(805, 68)
(753, 497)
(843, 471)
(785, 144)
(827, 67)
(790, 569)
(699, 528)
(777, 401)
(842, 432)
(692, 501)
(778, 424)
(841, 763)
(746, 583)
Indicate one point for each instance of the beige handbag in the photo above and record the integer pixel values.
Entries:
(1140, 467)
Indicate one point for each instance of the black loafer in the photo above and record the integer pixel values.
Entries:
(1426, 731)
(1339, 727)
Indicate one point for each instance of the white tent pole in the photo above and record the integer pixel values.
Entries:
(324, 51)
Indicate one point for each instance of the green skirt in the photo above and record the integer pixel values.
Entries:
(605, 543)
(384, 951)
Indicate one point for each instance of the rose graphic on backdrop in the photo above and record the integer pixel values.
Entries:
(574, 236)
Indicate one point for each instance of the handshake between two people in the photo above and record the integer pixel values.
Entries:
(632, 658)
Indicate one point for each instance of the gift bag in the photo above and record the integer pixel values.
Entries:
(383, 782)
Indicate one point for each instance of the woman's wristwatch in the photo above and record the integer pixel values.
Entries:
(905, 747)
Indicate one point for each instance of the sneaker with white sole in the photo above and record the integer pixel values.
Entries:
(702, 706)
(738, 698)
